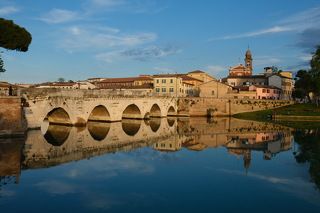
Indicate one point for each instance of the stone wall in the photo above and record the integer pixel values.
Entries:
(10, 116)
(224, 107)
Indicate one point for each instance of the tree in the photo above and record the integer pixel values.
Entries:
(2, 69)
(61, 80)
(315, 62)
(308, 81)
(303, 85)
(14, 37)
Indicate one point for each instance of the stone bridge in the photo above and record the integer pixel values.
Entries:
(77, 107)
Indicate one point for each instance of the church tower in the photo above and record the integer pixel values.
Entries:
(248, 61)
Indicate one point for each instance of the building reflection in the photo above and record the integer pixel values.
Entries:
(10, 161)
(54, 145)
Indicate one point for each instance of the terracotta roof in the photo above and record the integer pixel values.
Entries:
(122, 80)
(238, 67)
(281, 76)
(7, 85)
(242, 88)
(197, 71)
(248, 76)
(266, 86)
(183, 76)
(143, 86)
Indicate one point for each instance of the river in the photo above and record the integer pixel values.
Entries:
(162, 165)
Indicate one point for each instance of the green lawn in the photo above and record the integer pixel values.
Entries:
(292, 110)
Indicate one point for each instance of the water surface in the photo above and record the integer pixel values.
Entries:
(162, 165)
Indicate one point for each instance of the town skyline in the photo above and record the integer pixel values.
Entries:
(109, 38)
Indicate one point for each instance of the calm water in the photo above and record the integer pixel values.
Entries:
(175, 165)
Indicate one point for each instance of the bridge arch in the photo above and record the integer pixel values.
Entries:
(155, 111)
(132, 112)
(171, 111)
(99, 113)
(58, 116)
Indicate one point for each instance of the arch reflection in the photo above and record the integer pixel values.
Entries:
(171, 121)
(98, 130)
(131, 127)
(56, 135)
(155, 124)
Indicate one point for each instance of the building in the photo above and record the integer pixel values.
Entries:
(243, 70)
(7, 89)
(84, 85)
(201, 76)
(245, 80)
(266, 92)
(176, 85)
(241, 78)
(284, 81)
(124, 83)
(57, 85)
(215, 89)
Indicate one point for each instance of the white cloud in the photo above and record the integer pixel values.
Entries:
(56, 16)
(77, 38)
(296, 23)
(266, 60)
(306, 57)
(140, 54)
(272, 30)
(56, 187)
(8, 10)
(108, 3)
(217, 70)
(163, 69)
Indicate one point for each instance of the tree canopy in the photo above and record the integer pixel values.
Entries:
(308, 81)
(14, 37)
(2, 69)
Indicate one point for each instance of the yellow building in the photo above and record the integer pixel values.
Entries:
(172, 85)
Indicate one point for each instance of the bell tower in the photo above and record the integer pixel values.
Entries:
(248, 61)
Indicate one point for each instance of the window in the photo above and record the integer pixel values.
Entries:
(157, 89)
(164, 90)
(171, 81)
(212, 92)
(264, 91)
(171, 90)
(157, 81)
(268, 91)
(164, 81)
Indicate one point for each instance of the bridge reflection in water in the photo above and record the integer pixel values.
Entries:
(56, 144)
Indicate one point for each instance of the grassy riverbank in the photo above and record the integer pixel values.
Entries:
(296, 115)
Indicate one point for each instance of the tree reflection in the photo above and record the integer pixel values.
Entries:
(309, 152)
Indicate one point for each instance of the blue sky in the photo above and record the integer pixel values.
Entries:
(79, 39)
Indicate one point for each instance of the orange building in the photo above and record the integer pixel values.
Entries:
(243, 70)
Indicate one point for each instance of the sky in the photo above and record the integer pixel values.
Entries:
(80, 39)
